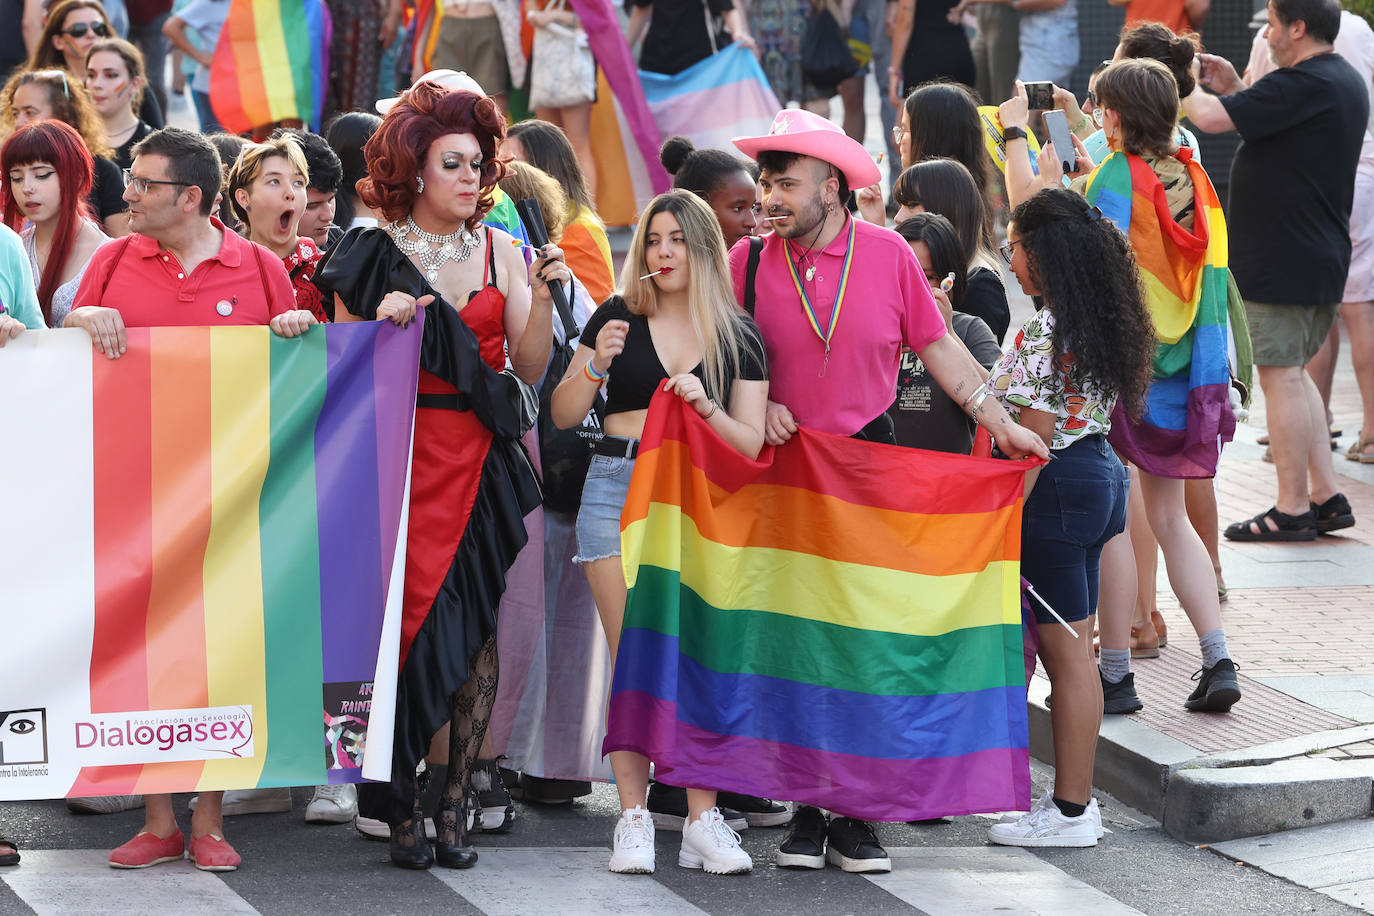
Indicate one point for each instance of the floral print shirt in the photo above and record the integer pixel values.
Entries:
(1025, 376)
(300, 264)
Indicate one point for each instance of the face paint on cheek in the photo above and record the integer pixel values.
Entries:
(70, 42)
(120, 89)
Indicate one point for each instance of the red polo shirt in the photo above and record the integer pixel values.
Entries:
(150, 288)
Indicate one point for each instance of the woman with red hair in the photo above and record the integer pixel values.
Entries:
(431, 169)
(45, 179)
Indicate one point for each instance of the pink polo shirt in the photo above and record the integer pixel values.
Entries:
(151, 289)
(887, 304)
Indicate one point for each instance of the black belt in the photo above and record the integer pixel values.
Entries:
(443, 401)
(616, 447)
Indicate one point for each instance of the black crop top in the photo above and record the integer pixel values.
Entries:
(637, 372)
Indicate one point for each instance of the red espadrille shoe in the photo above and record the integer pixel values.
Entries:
(212, 853)
(147, 849)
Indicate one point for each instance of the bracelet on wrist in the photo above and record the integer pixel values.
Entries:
(715, 405)
(592, 373)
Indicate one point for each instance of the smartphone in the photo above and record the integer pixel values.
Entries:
(1058, 127)
(1040, 96)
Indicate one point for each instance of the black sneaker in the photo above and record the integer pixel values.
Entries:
(1120, 698)
(759, 812)
(804, 845)
(854, 846)
(543, 791)
(1218, 688)
(496, 812)
(668, 808)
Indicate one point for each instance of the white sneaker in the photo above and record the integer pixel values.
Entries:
(1044, 825)
(375, 829)
(250, 801)
(707, 843)
(1096, 813)
(1048, 799)
(104, 804)
(332, 805)
(634, 843)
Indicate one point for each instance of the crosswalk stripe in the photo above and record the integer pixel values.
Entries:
(567, 880)
(971, 881)
(80, 882)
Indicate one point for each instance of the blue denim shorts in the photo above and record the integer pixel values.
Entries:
(603, 498)
(1077, 506)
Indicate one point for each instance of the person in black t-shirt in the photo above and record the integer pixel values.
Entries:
(1292, 184)
(682, 32)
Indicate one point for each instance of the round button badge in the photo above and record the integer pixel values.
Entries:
(224, 308)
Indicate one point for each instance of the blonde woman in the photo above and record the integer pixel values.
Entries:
(680, 323)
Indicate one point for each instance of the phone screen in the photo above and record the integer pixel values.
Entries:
(1058, 127)
(1040, 96)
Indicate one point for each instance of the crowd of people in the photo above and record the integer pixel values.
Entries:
(768, 291)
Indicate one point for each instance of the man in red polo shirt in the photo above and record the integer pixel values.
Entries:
(180, 267)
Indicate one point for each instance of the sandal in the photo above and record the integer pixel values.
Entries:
(1356, 450)
(1284, 527)
(1334, 514)
(1160, 628)
(1143, 646)
(11, 857)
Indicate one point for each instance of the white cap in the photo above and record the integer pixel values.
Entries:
(449, 79)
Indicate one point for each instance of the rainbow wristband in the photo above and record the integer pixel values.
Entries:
(592, 374)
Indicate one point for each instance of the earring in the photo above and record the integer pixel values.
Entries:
(420, 183)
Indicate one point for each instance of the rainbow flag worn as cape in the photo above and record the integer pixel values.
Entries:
(203, 552)
(837, 623)
(271, 64)
(1188, 412)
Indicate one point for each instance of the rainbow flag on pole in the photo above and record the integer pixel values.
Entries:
(203, 550)
(837, 623)
(1188, 411)
(271, 64)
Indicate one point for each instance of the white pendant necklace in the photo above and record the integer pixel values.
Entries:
(433, 251)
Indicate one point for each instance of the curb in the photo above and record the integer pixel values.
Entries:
(1209, 798)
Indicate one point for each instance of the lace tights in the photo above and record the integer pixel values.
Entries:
(472, 705)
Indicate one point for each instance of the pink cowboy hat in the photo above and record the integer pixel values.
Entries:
(796, 130)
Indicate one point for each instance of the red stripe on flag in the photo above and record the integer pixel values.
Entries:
(237, 88)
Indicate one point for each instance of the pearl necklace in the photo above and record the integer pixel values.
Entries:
(433, 251)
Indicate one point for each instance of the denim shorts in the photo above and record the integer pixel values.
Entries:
(1077, 506)
(603, 498)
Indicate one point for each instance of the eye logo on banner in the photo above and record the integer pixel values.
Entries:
(23, 736)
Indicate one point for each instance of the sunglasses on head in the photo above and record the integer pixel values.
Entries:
(79, 30)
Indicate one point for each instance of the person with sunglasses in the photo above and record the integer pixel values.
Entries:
(73, 26)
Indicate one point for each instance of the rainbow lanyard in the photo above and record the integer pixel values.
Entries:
(810, 309)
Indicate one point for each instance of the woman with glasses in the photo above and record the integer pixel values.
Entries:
(45, 175)
(40, 95)
(115, 79)
(73, 26)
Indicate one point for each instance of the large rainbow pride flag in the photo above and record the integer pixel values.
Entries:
(837, 623)
(1188, 412)
(271, 64)
(203, 549)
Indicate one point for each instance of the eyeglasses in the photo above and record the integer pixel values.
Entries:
(1006, 250)
(79, 30)
(141, 185)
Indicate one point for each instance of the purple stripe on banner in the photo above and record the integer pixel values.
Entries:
(393, 387)
(351, 576)
(870, 788)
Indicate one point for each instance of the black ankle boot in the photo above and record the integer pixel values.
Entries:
(452, 849)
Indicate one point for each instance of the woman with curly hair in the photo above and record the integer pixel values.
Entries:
(41, 95)
(1083, 356)
(1154, 190)
(431, 169)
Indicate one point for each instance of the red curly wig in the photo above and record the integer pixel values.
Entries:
(398, 149)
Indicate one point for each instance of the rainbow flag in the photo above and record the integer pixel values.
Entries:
(726, 95)
(271, 64)
(837, 623)
(202, 559)
(1188, 411)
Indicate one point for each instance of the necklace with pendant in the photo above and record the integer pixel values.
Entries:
(433, 251)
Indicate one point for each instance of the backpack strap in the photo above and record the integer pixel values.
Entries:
(262, 276)
(750, 270)
(119, 256)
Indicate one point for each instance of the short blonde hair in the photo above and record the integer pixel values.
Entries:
(248, 166)
(524, 181)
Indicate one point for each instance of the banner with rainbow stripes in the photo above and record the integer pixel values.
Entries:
(837, 623)
(271, 64)
(201, 551)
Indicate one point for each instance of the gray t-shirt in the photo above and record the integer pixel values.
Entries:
(923, 415)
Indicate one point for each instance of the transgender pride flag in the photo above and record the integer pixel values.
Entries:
(726, 95)
(201, 548)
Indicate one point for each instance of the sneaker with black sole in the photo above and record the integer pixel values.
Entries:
(758, 812)
(668, 808)
(494, 802)
(1120, 698)
(853, 845)
(804, 845)
(1217, 690)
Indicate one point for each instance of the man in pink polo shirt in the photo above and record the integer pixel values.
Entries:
(180, 267)
(836, 299)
